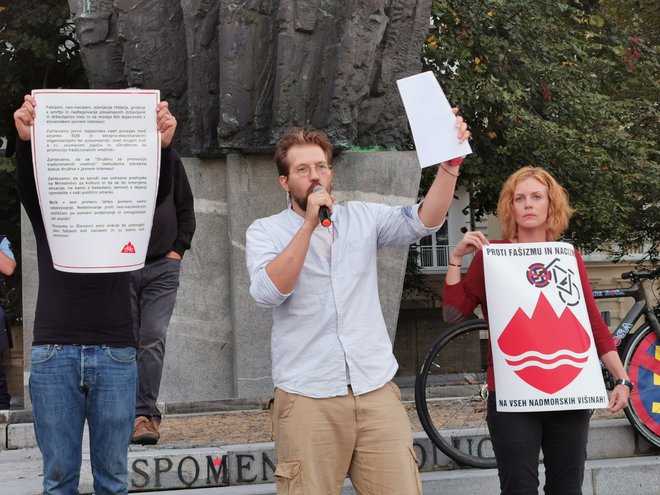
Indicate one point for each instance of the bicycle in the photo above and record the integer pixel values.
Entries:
(451, 392)
(640, 353)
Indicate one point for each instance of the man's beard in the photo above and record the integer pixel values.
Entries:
(301, 202)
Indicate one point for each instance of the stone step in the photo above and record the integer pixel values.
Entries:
(246, 467)
(630, 476)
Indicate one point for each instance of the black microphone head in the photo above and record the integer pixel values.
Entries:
(324, 213)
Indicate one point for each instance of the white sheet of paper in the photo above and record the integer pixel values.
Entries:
(96, 157)
(431, 120)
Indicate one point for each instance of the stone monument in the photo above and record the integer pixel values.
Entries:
(237, 74)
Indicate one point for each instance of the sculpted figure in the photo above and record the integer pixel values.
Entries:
(239, 73)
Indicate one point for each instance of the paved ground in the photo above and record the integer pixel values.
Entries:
(218, 428)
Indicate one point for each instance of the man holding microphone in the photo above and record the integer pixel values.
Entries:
(336, 410)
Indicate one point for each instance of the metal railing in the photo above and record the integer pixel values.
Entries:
(430, 257)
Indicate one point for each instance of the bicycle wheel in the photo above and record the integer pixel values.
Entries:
(641, 358)
(451, 394)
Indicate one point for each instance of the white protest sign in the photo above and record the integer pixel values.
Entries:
(96, 157)
(544, 355)
(432, 122)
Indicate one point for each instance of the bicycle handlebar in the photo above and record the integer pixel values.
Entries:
(641, 274)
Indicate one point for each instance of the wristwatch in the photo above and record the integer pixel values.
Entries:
(627, 383)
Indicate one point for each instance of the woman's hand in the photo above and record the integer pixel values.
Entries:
(621, 393)
(471, 242)
(618, 398)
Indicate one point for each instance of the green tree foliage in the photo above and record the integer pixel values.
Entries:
(38, 49)
(570, 86)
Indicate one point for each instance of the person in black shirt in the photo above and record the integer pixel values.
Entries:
(153, 294)
(83, 354)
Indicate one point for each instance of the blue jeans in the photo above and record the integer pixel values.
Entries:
(68, 385)
(153, 295)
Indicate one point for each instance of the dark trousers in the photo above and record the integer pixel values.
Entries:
(4, 346)
(153, 295)
(518, 438)
(4, 390)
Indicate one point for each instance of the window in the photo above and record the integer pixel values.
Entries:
(432, 252)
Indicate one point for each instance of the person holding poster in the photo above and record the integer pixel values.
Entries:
(336, 410)
(533, 208)
(83, 353)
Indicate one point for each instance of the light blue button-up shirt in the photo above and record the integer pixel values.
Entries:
(4, 247)
(332, 321)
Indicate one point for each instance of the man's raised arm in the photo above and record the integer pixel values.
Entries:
(436, 203)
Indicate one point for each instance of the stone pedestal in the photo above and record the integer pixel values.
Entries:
(218, 343)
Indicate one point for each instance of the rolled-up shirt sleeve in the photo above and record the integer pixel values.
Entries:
(260, 250)
(401, 225)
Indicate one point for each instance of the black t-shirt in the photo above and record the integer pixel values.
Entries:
(77, 308)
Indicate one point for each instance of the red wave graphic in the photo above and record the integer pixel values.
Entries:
(552, 338)
(535, 359)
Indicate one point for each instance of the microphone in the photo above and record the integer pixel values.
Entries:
(324, 213)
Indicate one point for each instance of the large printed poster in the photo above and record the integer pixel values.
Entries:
(96, 157)
(544, 355)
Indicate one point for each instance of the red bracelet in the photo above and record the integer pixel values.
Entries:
(455, 162)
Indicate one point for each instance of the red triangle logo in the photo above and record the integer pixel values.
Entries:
(129, 248)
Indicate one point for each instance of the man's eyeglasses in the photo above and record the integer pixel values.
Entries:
(305, 170)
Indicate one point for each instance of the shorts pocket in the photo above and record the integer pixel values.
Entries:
(414, 469)
(288, 478)
(395, 388)
(283, 403)
(41, 353)
(414, 456)
(122, 354)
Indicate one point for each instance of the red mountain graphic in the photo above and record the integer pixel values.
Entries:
(547, 352)
(129, 248)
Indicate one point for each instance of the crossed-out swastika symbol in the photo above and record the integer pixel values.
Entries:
(538, 275)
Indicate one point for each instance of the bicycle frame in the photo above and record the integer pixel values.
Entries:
(641, 307)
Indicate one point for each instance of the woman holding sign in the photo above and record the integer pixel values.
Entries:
(534, 208)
